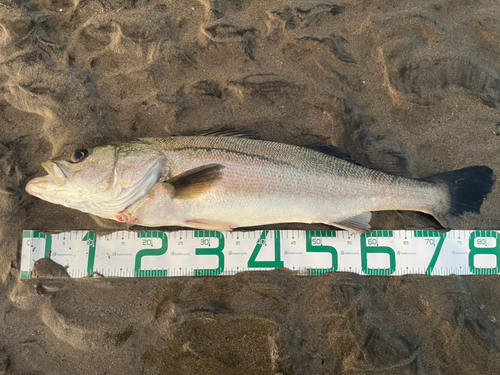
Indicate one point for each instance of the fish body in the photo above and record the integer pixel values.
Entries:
(220, 182)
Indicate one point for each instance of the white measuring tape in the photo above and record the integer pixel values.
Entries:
(205, 253)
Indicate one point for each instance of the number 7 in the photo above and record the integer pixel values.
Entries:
(435, 256)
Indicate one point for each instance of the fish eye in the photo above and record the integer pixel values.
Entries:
(79, 155)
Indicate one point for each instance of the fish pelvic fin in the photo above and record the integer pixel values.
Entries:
(467, 187)
(196, 181)
(356, 223)
(209, 225)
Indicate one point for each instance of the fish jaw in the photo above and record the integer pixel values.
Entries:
(59, 175)
(40, 185)
(56, 179)
(52, 186)
(46, 189)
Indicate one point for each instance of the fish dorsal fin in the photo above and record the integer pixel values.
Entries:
(356, 223)
(330, 150)
(195, 181)
(237, 133)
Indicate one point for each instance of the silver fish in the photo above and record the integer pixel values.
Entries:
(226, 182)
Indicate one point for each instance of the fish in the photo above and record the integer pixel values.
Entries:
(229, 180)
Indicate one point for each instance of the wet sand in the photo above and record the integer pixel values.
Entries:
(407, 88)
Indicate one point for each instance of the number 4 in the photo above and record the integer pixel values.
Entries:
(276, 263)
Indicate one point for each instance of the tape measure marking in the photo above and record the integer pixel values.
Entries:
(211, 253)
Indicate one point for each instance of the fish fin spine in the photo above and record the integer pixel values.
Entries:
(231, 132)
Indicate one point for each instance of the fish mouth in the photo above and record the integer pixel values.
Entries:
(41, 186)
(58, 174)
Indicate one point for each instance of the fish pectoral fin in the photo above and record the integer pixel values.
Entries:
(356, 223)
(196, 181)
(209, 225)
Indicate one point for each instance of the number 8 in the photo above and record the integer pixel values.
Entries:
(483, 250)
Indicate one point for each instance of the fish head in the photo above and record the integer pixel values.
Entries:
(102, 180)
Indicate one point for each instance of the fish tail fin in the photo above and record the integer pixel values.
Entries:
(467, 188)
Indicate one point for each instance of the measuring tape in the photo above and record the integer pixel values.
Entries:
(210, 253)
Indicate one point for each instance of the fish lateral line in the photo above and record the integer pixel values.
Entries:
(229, 151)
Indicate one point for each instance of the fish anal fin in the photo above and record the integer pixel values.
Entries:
(195, 181)
(356, 223)
(209, 225)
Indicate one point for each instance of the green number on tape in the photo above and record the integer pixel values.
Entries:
(369, 245)
(479, 237)
(314, 244)
(430, 241)
(90, 238)
(277, 262)
(205, 236)
(150, 252)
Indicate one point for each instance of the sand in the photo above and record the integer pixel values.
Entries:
(411, 88)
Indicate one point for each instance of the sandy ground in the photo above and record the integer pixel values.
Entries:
(411, 88)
